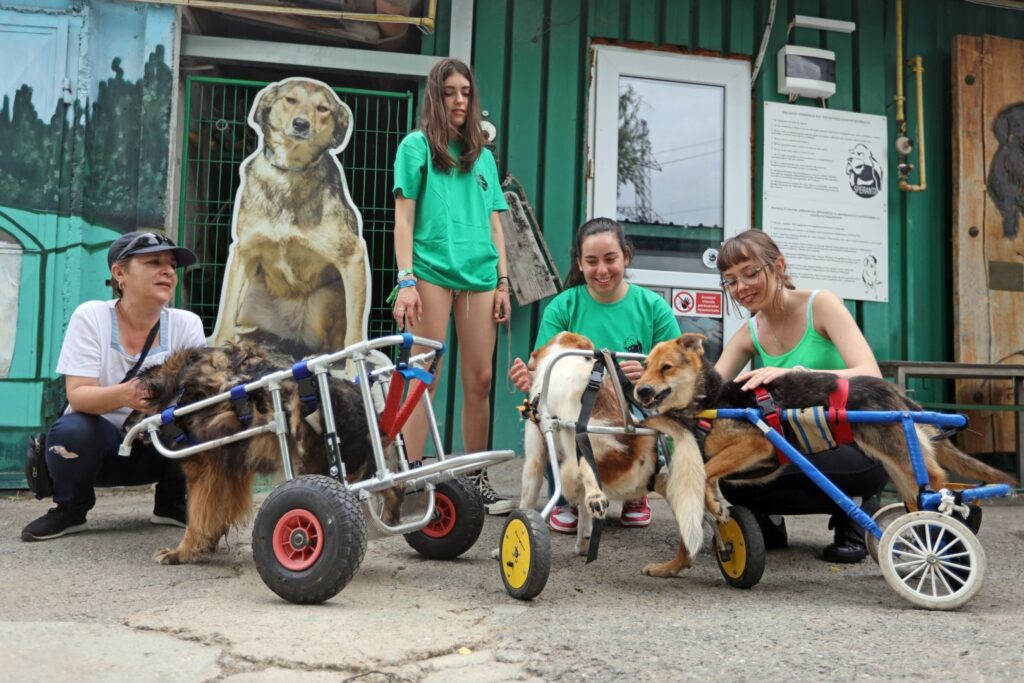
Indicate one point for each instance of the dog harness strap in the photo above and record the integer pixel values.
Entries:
(770, 412)
(584, 450)
(242, 405)
(837, 412)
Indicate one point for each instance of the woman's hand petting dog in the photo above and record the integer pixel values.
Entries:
(408, 307)
(136, 396)
(632, 369)
(755, 378)
(520, 376)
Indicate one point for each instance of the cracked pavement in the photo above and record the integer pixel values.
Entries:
(95, 606)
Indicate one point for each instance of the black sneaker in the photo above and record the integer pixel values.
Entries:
(493, 503)
(774, 533)
(54, 524)
(170, 514)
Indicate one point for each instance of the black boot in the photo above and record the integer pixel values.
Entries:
(775, 536)
(847, 546)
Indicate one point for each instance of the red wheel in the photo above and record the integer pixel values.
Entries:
(298, 540)
(457, 523)
(444, 517)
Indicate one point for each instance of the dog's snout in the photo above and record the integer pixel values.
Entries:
(645, 392)
(300, 124)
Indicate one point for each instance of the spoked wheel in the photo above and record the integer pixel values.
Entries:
(457, 522)
(739, 549)
(309, 539)
(525, 554)
(882, 518)
(932, 560)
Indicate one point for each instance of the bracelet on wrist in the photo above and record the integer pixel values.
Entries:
(404, 274)
(411, 282)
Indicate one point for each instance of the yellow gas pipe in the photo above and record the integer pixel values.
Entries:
(904, 146)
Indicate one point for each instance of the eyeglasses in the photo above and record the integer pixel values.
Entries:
(146, 239)
(747, 277)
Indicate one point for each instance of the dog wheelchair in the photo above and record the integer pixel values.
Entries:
(310, 534)
(927, 553)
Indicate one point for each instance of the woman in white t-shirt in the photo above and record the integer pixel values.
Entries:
(104, 340)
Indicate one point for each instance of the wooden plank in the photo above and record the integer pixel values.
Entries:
(1002, 64)
(528, 266)
(678, 22)
(970, 294)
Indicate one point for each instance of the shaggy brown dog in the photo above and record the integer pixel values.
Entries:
(220, 480)
(626, 464)
(679, 382)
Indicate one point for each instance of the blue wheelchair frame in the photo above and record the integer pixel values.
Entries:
(926, 500)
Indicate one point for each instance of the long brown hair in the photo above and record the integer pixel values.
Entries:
(595, 226)
(434, 118)
(757, 246)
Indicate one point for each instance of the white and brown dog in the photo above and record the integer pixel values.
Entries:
(297, 271)
(625, 463)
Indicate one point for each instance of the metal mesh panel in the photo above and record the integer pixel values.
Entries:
(218, 138)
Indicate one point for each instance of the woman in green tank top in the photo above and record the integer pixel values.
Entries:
(795, 330)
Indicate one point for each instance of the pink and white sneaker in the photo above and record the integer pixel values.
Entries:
(564, 519)
(636, 512)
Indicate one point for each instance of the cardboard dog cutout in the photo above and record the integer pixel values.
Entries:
(297, 273)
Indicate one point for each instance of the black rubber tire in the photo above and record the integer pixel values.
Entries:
(342, 545)
(458, 515)
(746, 537)
(524, 539)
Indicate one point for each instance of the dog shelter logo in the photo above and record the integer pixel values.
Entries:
(297, 273)
(864, 171)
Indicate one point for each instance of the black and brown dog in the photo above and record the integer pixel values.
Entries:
(679, 382)
(220, 480)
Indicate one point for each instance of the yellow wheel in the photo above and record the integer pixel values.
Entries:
(739, 549)
(525, 554)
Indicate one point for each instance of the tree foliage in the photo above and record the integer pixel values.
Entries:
(636, 157)
(106, 163)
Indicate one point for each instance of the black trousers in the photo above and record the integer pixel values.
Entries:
(81, 452)
(792, 493)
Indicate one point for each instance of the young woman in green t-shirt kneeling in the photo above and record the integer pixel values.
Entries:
(450, 250)
(599, 304)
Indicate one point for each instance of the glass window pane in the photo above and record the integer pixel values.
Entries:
(671, 171)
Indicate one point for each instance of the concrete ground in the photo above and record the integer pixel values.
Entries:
(95, 607)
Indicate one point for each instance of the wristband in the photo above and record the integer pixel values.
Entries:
(404, 274)
(402, 284)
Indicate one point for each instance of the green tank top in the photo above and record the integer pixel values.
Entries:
(813, 351)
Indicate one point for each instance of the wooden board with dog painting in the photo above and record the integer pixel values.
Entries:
(988, 239)
(297, 273)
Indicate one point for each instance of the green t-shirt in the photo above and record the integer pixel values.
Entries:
(634, 323)
(813, 351)
(452, 245)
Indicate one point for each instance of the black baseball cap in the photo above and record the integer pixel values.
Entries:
(135, 243)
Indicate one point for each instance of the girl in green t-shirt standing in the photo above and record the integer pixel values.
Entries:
(450, 250)
(599, 304)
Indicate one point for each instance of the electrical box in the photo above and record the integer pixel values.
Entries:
(807, 71)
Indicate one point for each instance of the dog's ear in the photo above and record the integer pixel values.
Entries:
(693, 342)
(264, 104)
(341, 122)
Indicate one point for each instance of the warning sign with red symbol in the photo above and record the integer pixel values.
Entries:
(697, 303)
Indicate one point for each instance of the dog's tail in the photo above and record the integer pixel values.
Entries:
(684, 489)
(955, 460)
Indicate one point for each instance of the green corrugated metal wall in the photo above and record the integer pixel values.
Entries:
(531, 61)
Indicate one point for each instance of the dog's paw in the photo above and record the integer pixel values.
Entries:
(663, 570)
(167, 556)
(582, 546)
(597, 503)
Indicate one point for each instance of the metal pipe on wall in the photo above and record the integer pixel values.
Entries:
(904, 145)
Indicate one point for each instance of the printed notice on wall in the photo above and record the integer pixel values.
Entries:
(826, 198)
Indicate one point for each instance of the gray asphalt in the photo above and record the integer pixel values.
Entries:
(95, 607)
